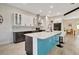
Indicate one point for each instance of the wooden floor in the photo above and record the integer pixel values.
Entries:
(13, 49)
(70, 48)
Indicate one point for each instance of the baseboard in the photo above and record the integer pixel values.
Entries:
(6, 42)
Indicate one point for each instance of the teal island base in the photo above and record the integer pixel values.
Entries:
(41, 43)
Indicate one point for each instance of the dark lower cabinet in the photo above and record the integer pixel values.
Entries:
(20, 37)
(29, 45)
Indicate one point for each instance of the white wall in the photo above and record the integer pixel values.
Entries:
(57, 19)
(6, 35)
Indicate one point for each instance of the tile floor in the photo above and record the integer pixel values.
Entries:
(70, 48)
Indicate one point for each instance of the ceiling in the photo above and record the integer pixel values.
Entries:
(50, 9)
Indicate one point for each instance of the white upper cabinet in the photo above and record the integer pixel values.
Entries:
(27, 20)
(22, 20)
(15, 19)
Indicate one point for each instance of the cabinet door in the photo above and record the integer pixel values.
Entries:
(46, 45)
(20, 18)
(17, 19)
(42, 47)
(23, 21)
(27, 20)
(29, 45)
(18, 37)
(51, 43)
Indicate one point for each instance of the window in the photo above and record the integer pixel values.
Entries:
(77, 26)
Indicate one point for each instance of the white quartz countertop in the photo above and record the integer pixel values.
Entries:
(43, 35)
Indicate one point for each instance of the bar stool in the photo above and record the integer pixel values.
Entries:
(61, 41)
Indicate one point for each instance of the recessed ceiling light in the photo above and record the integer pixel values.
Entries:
(58, 13)
(51, 6)
(40, 10)
(49, 11)
(48, 15)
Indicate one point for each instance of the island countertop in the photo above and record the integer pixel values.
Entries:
(40, 43)
(43, 35)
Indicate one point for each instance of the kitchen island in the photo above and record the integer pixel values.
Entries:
(41, 43)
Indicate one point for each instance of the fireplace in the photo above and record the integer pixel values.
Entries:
(57, 26)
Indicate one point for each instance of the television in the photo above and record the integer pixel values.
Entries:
(57, 26)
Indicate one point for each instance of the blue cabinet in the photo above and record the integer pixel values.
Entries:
(45, 45)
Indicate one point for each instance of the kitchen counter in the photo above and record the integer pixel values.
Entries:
(42, 35)
(22, 28)
(19, 36)
(41, 43)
